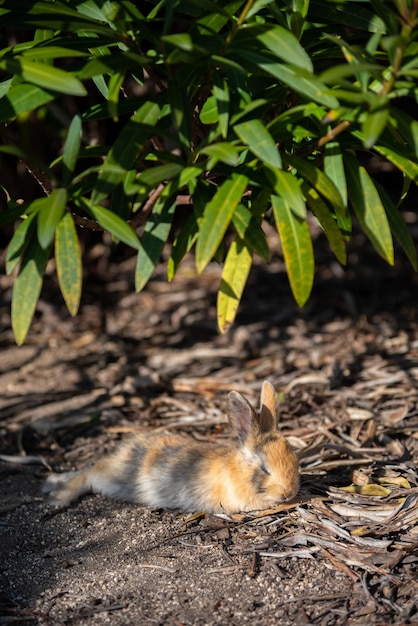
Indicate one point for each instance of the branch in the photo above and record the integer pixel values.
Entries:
(330, 136)
(142, 216)
(138, 220)
(9, 138)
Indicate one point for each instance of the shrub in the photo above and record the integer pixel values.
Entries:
(256, 109)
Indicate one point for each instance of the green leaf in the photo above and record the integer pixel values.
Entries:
(183, 41)
(68, 260)
(407, 126)
(71, 149)
(50, 210)
(5, 87)
(218, 16)
(260, 202)
(125, 149)
(258, 5)
(288, 187)
(353, 16)
(223, 151)
(221, 93)
(216, 218)
(182, 244)
(281, 126)
(202, 195)
(45, 76)
(297, 249)
(27, 288)
(47, 52)
(188, 176)
(155, 175)
(233, 280)
(112, 223)
(114, 88)
(249, 230)
(209, 113)
(374, 124)
(54, 16)
(368, 208)
(22, 98)
(334, 168)
(324, 186)
(400, 158)
(322, 213)
(180, 111)
(399, 228)
(305, 83)
(154, 239)
(90, 9)
(308, 86)
(283, 44)
(112, 64)
(336, 74)
(256, 136)
(19, 242)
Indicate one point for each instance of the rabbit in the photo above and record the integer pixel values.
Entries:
(175, 471)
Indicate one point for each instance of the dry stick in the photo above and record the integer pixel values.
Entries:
(339, 565)
(311, 598)
(40, 177)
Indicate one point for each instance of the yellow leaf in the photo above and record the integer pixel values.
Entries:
(368, 490)
(396, 481)
(234, 277)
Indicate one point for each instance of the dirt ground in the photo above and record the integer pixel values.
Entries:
(346, 371)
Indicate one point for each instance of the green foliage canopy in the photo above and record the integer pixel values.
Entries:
(255, 109)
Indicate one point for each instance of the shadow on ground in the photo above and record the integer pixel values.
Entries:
(346, 370)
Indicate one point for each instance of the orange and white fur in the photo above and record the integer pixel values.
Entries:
(175, 471)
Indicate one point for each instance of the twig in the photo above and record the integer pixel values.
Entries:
(330, 136)
(339, 565)
(24, 460)
(138, 220)
(142, 216)
(152, 566)
(41, 178)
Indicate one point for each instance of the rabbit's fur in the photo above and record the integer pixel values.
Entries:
(175, 471)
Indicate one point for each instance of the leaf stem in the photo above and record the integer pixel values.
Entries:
(410, 23)
(330, 136)
(239, 22)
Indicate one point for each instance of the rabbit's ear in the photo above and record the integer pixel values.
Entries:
(241, 415)
(268, 411)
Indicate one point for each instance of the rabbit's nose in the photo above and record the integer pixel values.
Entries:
(289, 495)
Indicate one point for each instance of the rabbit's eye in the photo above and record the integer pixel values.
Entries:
(265, 470)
